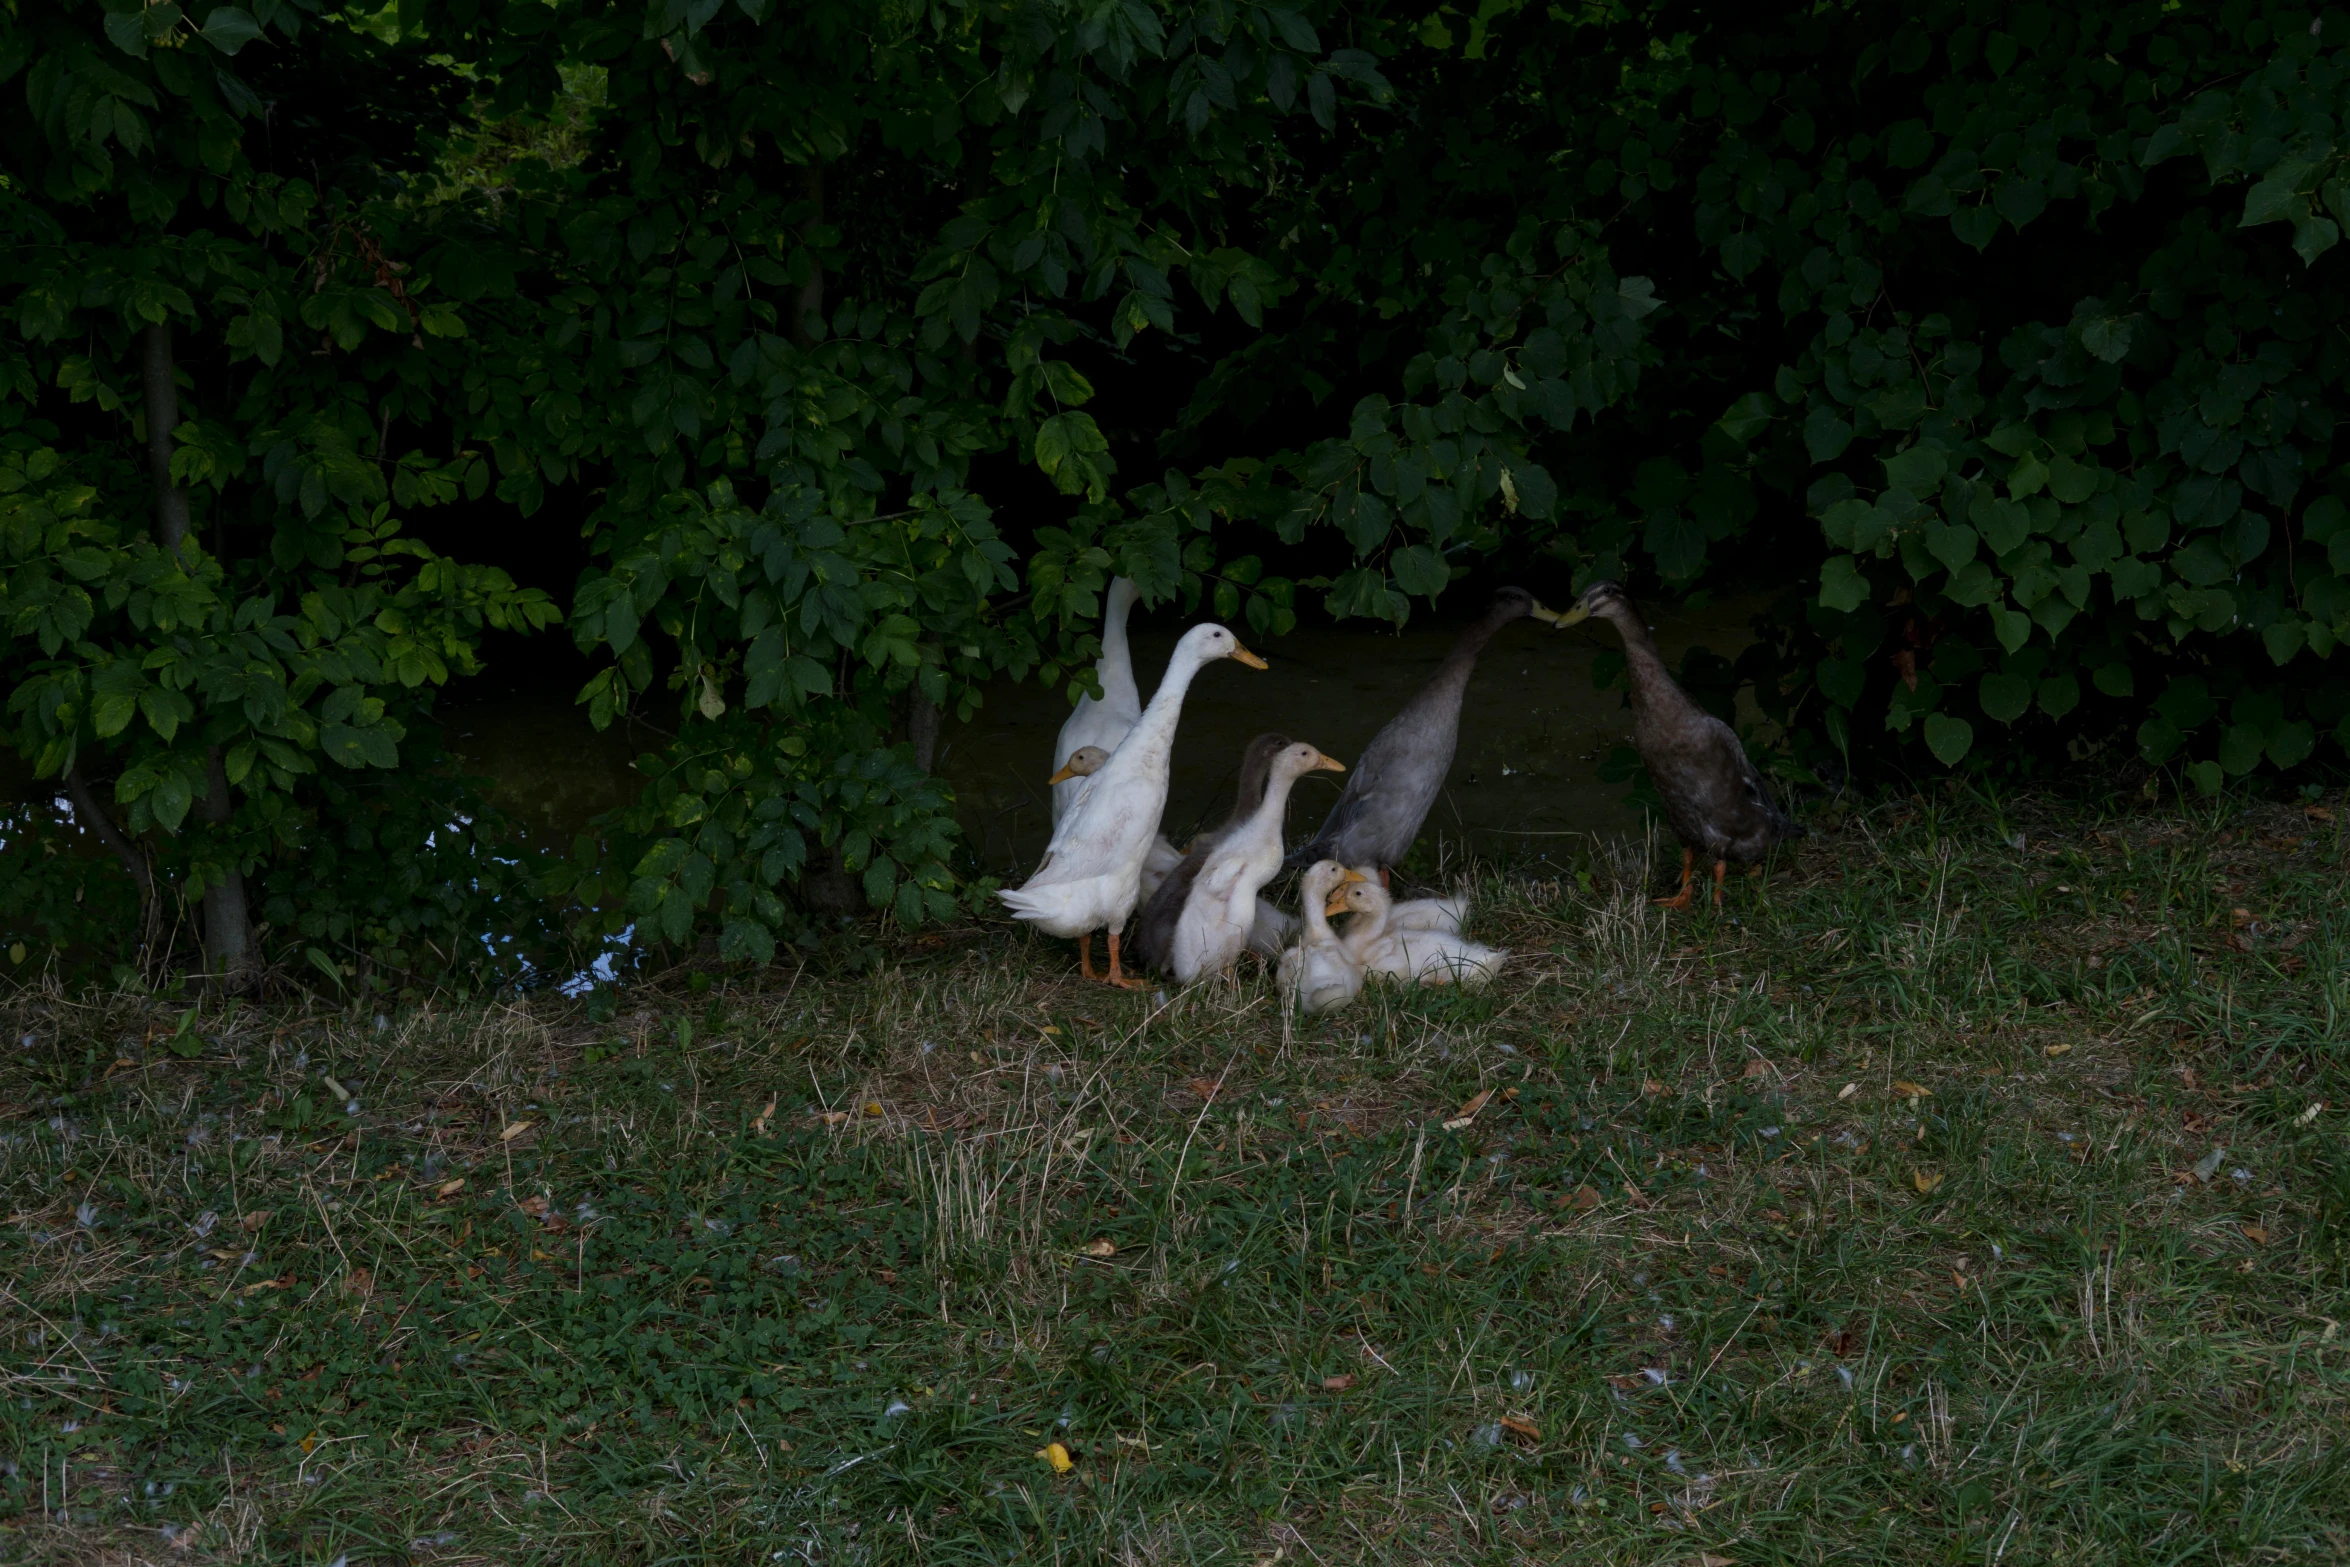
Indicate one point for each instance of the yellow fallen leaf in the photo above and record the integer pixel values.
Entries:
(1521, 1427)
(1101, 1248)
(449, 1188)
(1339, 1383)
(873, 1107)
(1058, 1456)
(1909, 1090)
(1848, 1090)
(833, 1117)
(2257, 1234)
(2054, 1051)
(1585, 1199)
(514, 1131)
(1926, 1183)
(310, 1443)
(254, 1221)
(1468, 1112)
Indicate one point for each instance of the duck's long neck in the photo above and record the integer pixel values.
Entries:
(1652, 683)
(1317, 923)
(1273, 808)
(1116, 669)
(1153, 734)
(1370, 924)
(1451, 679)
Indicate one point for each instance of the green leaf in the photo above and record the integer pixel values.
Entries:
(1825, 434)
(1841, 584)
(1951, 544)
(2271, 201)
(1420, 571)
(746, 941)
(2004, 696)
(1975, 226)
(2059, 695)
(230, 28)
(2108, 337)
(2206, 776)
(2020, 200)
(1948, 738)
(2240, 748)
(1918, 469)
(2313, 237)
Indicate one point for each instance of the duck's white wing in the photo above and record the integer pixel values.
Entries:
(1445, 915)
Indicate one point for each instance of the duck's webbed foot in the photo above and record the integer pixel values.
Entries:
(1119, 977)
(1085, 954)
(1688, 893)
(1721, 869)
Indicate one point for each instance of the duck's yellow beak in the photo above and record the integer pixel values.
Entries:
(1571, 617)
(1544, 613)
(1063, 776)
(1353, 876)
(1248, 658)
(1327, 764)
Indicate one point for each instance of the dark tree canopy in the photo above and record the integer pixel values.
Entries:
(862, 344)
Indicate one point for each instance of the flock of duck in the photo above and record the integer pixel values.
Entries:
(1205, 905)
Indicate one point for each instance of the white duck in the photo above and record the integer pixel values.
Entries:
(1091, 877)
(1220, 915)
(1419, 957)
(1083, 763)
(1101, 724)
(1319, 974)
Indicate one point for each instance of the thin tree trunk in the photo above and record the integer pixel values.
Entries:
(807, 323)
(163, 416)
(228, 924)
(93, 816)
(922, 729)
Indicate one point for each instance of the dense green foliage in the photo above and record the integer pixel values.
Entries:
(2003, 340)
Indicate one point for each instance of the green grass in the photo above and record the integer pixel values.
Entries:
(1676, 1290)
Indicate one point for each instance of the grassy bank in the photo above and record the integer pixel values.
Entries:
(1975, 1191)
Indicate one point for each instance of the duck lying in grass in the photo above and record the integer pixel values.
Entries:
(1418, 955)
(1319, 974)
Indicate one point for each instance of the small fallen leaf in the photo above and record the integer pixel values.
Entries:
(2208, 1166)
(1521, 1427)
(1654, 1086)
(1909, 1090)
(1048, 1029)
(2257, 1234)
(1339, 1383)
(2310, 1114)
(1848, 1090)
(833, 1117)
(1468, 1112)
(254, 1221)
(1709, 1559)
(1206, 1088)
(1585, 1199)
(514, 1131)
(1058, 1456)
(1101, 1248)
(2057, 1050)
(450, 1188)
(1756, 1069)
(1958, 1278)
(873, 1107)
(1926, 1183)
(766, 1114)
(2240, 917)
(2318, 813)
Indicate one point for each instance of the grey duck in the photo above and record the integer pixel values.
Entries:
(1713, 796)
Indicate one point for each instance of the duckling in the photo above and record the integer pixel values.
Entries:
(1166, 894)
(1319, 974)
(1399, 773)
(1220, 912)
(1419, 957)
(1091, 877)
(1713, 796)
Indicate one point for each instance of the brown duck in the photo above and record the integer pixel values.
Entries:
(1714, 798)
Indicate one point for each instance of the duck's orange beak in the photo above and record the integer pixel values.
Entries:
(1063, 776)
(1336, 903)
(1248, 658)
(1327, 764)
